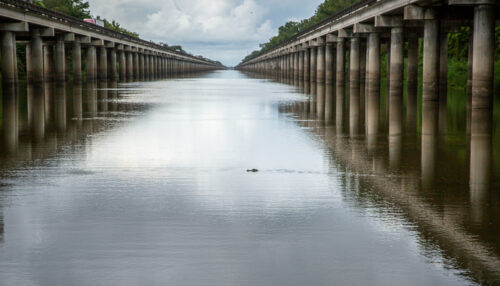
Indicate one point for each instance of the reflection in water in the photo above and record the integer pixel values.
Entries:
(147, 182)
(10, 117)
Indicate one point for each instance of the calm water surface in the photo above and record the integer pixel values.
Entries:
(147, 184)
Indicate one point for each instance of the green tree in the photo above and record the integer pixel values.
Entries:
(291, 28)
(75, 8)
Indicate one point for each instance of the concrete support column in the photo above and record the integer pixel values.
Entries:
(141, 66)
(483, 54)
(136, 66)
(362, 80)
(320, 64)
(469, 80)
(340, 85)
(329, 71)
(123, 65)
(301, 65)
(412, 84)
(443, 81)
(48, 62)
(396, 82)
(297, 65)
(130, 66)
(112, 65)
(373, 84)
(320, 81)
(90, 63)
(430, 88)
(329, 81)
(9, 58)
(29, 66)
(150, 67)
(354, 87)
(37, 56)
(77, 61)
(307, 65)
(103, 63)
(60, 59)
(483, 58)
(314, 64)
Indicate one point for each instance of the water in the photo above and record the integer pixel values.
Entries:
(147, 184)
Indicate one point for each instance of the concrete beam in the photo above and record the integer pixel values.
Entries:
(97, 42)
(47, 32)
(388, 21)
(343, 33)
(363, 29)
(69, 37)
(330, 38)
(414, 12)
(14, 27)
(110, 44)
(84, 39)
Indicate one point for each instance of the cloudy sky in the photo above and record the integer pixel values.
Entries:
(224, 30)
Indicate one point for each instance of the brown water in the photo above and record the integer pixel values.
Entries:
(147, 184)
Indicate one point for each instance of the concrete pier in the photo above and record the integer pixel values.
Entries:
(483, 57)
(430, 80)
(320, 80)
(354, 87)
(112, 72)
(307, 65)
(340, 85)
(396, 82)
(130, 66)
(48, 62)
(60, 59)
(313, 64)
(373, 84)
(412, 84)
(103, 63)
(77, 61)
(329, 81)
(122, 65)
(90, 64)
(9, 58)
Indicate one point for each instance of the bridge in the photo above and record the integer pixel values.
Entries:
(317, 58)
(108, 54)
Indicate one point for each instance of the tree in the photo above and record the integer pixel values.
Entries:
(75, 8)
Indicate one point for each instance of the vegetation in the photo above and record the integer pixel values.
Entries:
(76, 8)
(291, 28)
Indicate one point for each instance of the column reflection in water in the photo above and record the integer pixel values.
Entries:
(60, 106)
(480, 159)
(90, 106)
(320, 100)
(10, 117)
(49, 103)
(36, 107)
(112, 96)
(329, 103)
(429, 141)
(102, 94)
(312, 96)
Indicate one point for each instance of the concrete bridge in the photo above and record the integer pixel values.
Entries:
(47, 35)
(316, 57)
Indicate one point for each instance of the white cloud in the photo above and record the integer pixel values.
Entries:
(224, 30)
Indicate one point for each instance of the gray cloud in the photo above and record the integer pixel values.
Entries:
(224, 30)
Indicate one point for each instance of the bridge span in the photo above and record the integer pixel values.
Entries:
(111, 55)
(344, 53)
